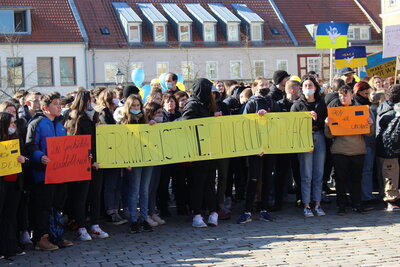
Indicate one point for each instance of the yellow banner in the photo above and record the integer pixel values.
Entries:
(9, 152)
(135, 145)
(384, 70)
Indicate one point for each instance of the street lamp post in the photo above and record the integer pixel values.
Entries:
(119, 77)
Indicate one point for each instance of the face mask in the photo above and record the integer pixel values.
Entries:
(159, 119)
(135, 112)
(169, 86)
(11, 131)
(322, 90)
(63, 110)
(92, 105)
(263, 91)
(90, 113)
(308, 92)
(116, 102)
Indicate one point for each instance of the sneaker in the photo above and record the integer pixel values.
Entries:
(25, 238)
(151, 222)
(341, 211)
(135, 228)
(146, 227)
(213, 219)
(198, 222)
(157, 219)
(319, 211)
(392, 207)
(116, 219)
(308, 212)
(45, 244)
(66, 243)
(264, 216)
(83, 235)
(96, 232)
(245, 218)
(223, 214)
(19, 251)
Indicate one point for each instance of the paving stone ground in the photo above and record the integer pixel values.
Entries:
(291, 240)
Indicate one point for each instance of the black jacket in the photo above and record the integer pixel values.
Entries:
(331, 97)
(198, 103)
(385, 114)
(168, 117)
(320, 109)
(105, 115)
(223, 107)
(261, 102)
(233, 101)
(285, 105)
(275, 93)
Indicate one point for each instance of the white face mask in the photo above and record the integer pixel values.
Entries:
(308, 92)
(159, 119)
(116, 102)
(11, 131)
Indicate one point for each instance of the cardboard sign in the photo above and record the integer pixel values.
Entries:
(135, 145)
(383, 67)
(9, 152)
(391, 44)
(349, 120)
(69, 159)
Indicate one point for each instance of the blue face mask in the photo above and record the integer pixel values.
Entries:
(135, 112)
(322, 90)
(169, 85)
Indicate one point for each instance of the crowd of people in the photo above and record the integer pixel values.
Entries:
(34, 212)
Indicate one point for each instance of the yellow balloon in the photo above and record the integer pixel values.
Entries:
(295, 78)
(356, 78)
(141, 93)
(181, 86)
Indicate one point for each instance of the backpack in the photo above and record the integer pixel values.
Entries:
(391, 137)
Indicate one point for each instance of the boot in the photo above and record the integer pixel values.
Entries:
(45, 244)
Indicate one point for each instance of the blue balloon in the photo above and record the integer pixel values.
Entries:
(180, 78)
(146, 91)
(138, 77)
(162, 82)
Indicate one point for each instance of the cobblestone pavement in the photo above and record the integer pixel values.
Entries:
(291, 240)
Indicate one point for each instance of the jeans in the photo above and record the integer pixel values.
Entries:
(367, 175)
(312, 169)
(112, 189)
(138, 190)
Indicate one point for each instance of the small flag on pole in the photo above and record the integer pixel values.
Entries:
(353, 57)
(331, 35)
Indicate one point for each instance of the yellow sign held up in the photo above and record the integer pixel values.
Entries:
(9, 152)
(202, 139)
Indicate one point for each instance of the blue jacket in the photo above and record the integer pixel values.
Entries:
(39, 129)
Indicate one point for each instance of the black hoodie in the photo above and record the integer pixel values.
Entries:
(233, 101)
(198, 103)
(385, 114)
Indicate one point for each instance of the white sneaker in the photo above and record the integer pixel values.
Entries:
(308, 212)
(82, 235)
(96, 232)
(25, 238)
(319, 211)
(198, 222)
(213, 219)
(157, 219)
(151, 222)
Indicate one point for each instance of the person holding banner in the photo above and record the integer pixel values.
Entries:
(348, 152)
(203, 178)
(48, 198)
(10, 192)
(138, 177)
(312, 163)
(82, 120)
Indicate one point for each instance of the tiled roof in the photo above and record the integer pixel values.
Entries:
(299, 13)
(52, 21)
(99, 13)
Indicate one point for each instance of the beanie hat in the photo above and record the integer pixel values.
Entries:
(279, 75)
(130, 90)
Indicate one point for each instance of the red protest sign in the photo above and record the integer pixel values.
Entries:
(69, 159)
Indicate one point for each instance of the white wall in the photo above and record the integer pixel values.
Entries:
(30, 52)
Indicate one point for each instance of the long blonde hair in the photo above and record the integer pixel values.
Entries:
(128, 117)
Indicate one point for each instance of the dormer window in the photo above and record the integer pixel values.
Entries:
(159, 33)
(131, 23)
(184, 33)
(228, 21)
(155, 22)
(134, 33)
(180, 22)
(205, 23)
(252, 22)
(15, 21)
(209, 32)
(256, 33)
(233, 32)
(358, 33)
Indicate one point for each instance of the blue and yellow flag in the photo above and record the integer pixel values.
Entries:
(332, 35)
(353, 57)
(384, 67)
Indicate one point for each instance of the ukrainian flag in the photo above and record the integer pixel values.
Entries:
(331, 35)
(353, 57)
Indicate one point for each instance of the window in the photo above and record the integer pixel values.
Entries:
(14, 21)
(159, 33)
(67, 71)
(256, 33)
(358, 33)
(15, 72)
(45, 71)
(314, 64)
(187, 70)
(137, 65)
(134, 33)
(209, 35)
(236, 69)
(110, 68)
(259, 68)
(212, 70)
(162, 67)
(392, 2)
(233, 34)
(184, 33)
(282, 64)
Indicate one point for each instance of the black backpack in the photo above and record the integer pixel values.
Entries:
(391, 137)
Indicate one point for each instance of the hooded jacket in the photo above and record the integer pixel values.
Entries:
(386, 113)
(233, 101)
(275, 93)
(39, 129)
(320, 109)
(261, 102)
(198, 103)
